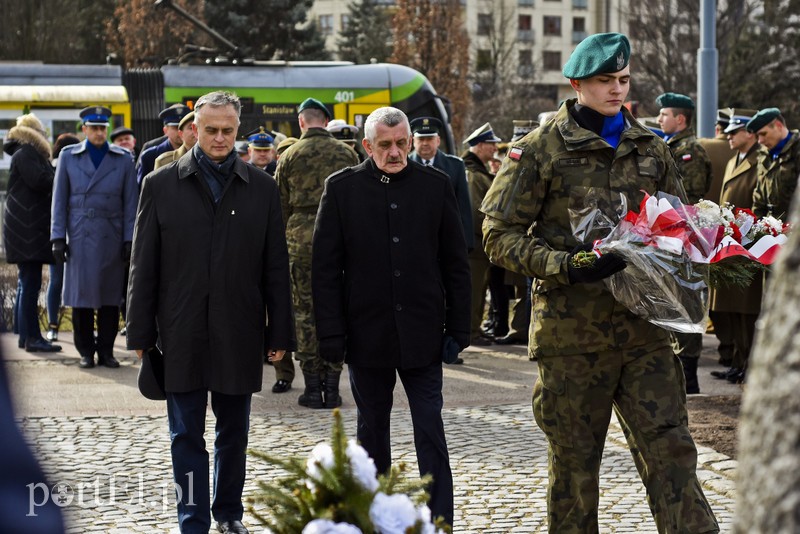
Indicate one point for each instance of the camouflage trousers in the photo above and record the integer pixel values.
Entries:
(572, 403)
(307, 351)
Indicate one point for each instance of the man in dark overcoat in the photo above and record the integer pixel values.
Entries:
(209, 270)
(390, 284)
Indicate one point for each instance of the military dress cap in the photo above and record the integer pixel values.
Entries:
(523, 128)
(241, 147)
(286, 143)
(260, 140)
(674, 100)
(95, 116)
(739, 119)
(313, 103)
(172, 115)
(484, 134)
(342, 131)
(426, 126)
(724, 117)
(601, 53)
(762, 118)
(188, 119)
(117, 132)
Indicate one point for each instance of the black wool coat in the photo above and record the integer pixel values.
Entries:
(389, 266)
(26, 223)
(206, 279)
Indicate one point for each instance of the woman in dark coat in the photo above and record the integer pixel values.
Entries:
(26, 227)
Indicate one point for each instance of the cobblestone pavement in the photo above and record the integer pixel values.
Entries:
(108, 451)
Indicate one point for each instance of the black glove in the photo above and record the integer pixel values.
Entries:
(126, 251)
(601, 268)
(450, 349)
(60, 250)
(331, 349)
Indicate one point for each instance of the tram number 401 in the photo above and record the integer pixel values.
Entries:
(344, 96)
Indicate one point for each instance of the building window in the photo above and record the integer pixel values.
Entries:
(525, 28)
(552, 26)
(578, 29)
(525, 63)
(551, 60)
(485, 23)
(345, 21)
(326, 24)
(580, 4)
(484, 60)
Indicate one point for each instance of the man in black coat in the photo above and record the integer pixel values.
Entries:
(209, 269)
(390, 283)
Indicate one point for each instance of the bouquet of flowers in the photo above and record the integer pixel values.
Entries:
(673, 251)
(336, 490)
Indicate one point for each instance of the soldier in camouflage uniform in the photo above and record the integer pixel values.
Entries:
(301, 174)
(779, 169)
(675, 119)
(593, 354)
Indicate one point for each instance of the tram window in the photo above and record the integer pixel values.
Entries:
(71, 126)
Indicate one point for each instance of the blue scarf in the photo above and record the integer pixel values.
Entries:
(612, 129)
(775, 152)
(215, 174)
(97, 153)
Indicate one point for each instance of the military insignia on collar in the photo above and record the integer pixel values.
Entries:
(620, 61)
(686, 157)
(515, 153)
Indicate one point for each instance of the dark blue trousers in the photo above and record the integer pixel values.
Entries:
(373, 392)
(187, 420)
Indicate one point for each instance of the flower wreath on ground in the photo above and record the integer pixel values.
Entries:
(673, 252)
(336, 490)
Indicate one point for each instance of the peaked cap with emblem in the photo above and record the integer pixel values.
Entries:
(523, 128)
(762, 118)
(674, 100)
(426, 126)
(601, 53)
(187, 119)
(724, 117)
(738, 119)
(313, 103)
(172, 115)
(260, 139)
(95, 116)
(342, 131)
(484, 134)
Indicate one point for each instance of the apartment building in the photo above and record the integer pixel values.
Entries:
(534, 36)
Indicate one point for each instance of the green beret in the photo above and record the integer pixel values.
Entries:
(313, 103)
(762, 118)
(674, 100)
(601, 53)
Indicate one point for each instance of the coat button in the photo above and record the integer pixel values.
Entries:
(398, 307)
(396, 273)
(395, 239)
(393, 206)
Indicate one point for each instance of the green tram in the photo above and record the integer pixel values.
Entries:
(270, 92)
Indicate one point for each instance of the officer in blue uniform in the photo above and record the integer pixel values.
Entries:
(171, 117)
(261, 148)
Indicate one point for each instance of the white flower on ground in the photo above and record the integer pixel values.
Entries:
(322, 455)
(364, 469)
(325, 526)
(392, 514)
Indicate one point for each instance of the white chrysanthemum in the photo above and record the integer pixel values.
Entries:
(325, 526)
(392, 514)
(363, 466)
(709, 214)
(774, 225)
(322, 455)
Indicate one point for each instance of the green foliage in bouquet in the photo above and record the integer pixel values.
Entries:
(736, 271)
(342, 491)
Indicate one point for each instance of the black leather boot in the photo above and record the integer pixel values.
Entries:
(690, 373)
(331, 389)
(107, 358)
(312, 396)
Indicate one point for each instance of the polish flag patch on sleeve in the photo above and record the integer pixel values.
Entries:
(515, 153)
(686, 157)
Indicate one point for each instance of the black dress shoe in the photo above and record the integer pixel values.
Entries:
(481, 341)
(723, 375)
(234, 527)
(281, 386)
(40, 345)
(737, 377)
(21, 343)
(108, 361)
(87, 362)
(510, 340)
(458, 361)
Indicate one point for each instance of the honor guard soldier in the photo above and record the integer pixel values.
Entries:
(261, 149)
(301, 175)
(778, 170)
(171, 117)
(482, 146)
(594, 355)
(94, 208)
